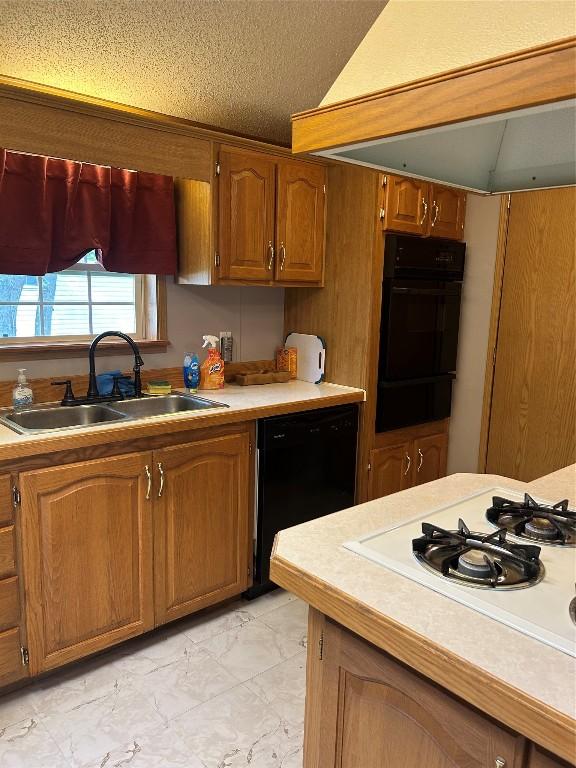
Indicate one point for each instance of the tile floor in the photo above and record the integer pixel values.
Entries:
(220, 690)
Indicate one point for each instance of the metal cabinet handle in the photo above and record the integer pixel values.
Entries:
(271, 251)
(424, 211)
(161, 470)
(283, 256)
(421, 455)
(409, 462)
(499, 762)
(436, 212)
(148, 481)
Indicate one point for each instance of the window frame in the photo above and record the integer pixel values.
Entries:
(151, 333)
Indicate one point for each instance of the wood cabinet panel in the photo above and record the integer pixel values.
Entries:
(7, 553)
(87, 551)
(430, 458)
(447, 209)
(6, 506)
(390, 470)
(375, 713)
(300, 217)
(539, 758)
(9, 603)
(11, 666)
(202, 525)
(246, 215)
(406, 205)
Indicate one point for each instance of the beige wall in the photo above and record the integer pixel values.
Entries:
(254, 315)
(417, 38)
(481, 234)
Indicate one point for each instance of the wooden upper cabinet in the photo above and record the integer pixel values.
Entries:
(300, 222)
(447, 208)
(390, 470)
(87, 534)
(372, 712)
(246, 215)
(406, 207)
(203, 524)
(430, 458)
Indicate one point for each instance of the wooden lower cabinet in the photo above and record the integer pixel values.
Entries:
(87, 551)
(364, 709)
(406, 457)
(202, 525)
(539, 758)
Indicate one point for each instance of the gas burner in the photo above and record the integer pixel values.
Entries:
(481, 560)
(572, 609)
(532, 521)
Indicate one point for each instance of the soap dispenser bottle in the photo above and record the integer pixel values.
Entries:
(22, 395)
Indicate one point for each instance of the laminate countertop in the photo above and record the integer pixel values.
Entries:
(523, 683)
(243, 404)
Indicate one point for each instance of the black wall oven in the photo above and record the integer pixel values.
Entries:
(419, 329)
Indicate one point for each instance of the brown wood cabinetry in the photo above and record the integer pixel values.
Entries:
(87, 535)
(407, 457)
(363, 708)
(422, 208)
(114, 546)
(202, 529)
(539, 758)
(261, 221)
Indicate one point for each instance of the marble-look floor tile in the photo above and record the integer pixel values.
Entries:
(89, 732)
(150, 652)
(237, 729)
(180, 686)
(268, 602)
(284, 688)
(217, 620)
(28, 745)
(290, 621)
(250, 649)
(159, 749)
(16, 706)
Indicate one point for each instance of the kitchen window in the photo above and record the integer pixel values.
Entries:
(63, 311)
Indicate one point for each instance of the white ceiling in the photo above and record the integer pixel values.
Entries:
(245, 65)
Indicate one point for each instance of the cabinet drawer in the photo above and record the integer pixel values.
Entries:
(6, 507)
(7, 562)
(9, 603)
(11, 667)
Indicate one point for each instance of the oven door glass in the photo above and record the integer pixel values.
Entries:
(419, 334)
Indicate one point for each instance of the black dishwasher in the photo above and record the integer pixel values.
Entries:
(306, 469)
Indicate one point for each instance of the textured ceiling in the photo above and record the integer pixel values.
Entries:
(245, 65)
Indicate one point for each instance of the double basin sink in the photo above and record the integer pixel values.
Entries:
(47, 418)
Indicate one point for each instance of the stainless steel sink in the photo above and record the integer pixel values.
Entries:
(48, 418)
(32, 420)
(164, 404)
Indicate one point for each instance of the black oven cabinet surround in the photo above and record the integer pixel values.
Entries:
(421, 296)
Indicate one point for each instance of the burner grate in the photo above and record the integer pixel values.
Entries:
(547, 524)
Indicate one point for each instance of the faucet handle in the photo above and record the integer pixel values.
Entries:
(116, 391)
(68, 398)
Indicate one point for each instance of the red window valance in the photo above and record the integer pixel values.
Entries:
(52, 212)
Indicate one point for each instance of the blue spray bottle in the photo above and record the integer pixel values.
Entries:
(191, 372)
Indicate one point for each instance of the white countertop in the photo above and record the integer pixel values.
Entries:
(244, 403)
(543, 673)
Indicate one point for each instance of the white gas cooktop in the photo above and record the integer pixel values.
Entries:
(540, 610)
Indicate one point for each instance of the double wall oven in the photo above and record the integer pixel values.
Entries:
(419, 329)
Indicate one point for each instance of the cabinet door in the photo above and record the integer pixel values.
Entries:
(87, 533)
(300, 222)
(539, 758)
(430, 457)
(447, 211)
(390, 470)
(406, 205)
(246, 215)
(203, 527)
(375, 713)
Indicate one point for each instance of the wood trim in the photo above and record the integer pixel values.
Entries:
(493, 330)
(408, 434)
(66, 349)
(527, 78)
(546, 726)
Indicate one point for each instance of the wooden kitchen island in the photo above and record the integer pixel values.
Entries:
(399, 675)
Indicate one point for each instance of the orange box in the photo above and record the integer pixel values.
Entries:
(287, 360)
